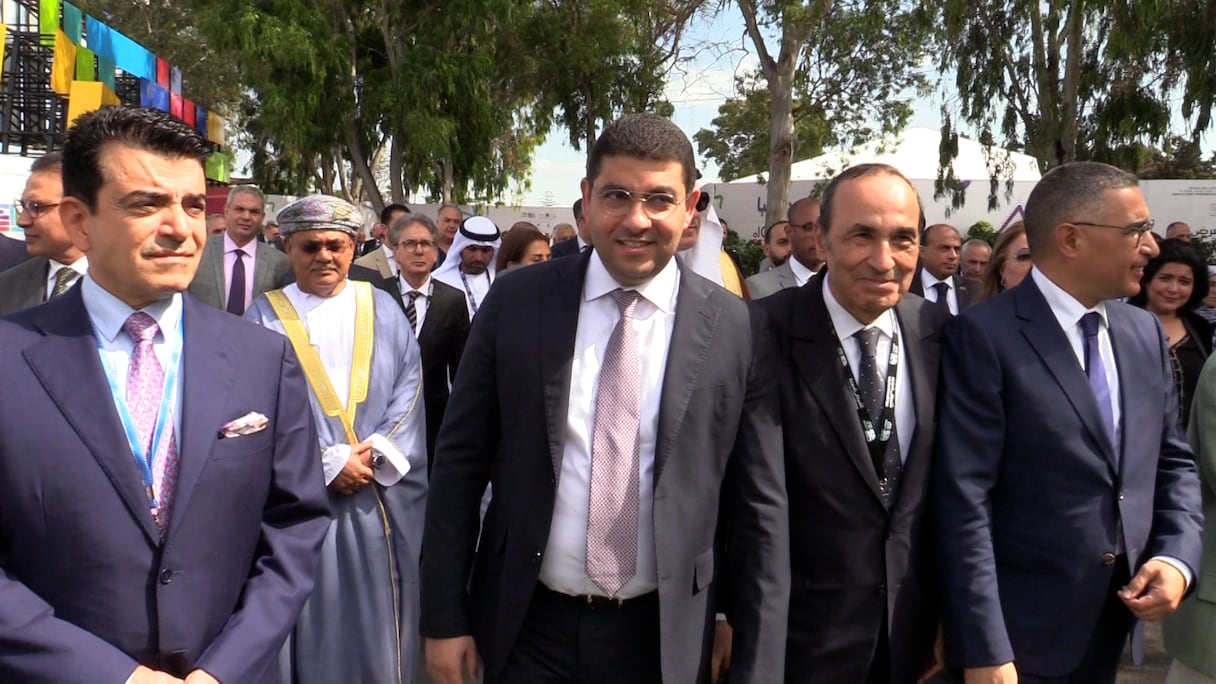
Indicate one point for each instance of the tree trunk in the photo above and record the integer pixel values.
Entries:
(358, 162)
(396, 189)
(781, 143)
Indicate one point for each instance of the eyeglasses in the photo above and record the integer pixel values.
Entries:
(331, 246)
(1139, 229)
(411, 245)
(657, 205)
(35, 209)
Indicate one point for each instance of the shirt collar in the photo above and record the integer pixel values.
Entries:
(844, 322)
(388, 252)
(801, 272)
(928, 280)
(660, 290)
(1067, 309)
(406, 287)
(230, 246)
(81, 266)
(108, 313)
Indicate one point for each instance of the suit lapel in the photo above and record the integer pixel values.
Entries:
(815, 353)
(696, 319)
(263, 274)
(559, 307)
(1129, 361)
(785, 275)
(207, 374)
(214, 254)
(68, 366)
(921, 349)
(1042, 331)
(31, 291)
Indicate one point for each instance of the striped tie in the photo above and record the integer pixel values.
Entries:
(411, 309)
(64, 279)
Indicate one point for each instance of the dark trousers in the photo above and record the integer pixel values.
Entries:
(566, 639)
(1100, 664)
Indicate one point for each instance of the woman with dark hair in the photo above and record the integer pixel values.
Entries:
(523, 245)
(1010, 261)
(1174, 283)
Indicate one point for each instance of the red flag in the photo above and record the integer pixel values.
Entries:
(188, 112)
(162, 72)
(175, 105)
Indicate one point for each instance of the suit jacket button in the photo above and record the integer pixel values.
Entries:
(536, 557)
(166, 576)
(882, 589)
(1108, 559)
(1120, 495)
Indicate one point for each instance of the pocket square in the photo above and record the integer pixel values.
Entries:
(245, 425)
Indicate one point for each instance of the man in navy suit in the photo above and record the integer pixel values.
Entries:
(1066, 498)
(161, 498)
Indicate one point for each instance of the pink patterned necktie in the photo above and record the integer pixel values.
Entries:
(145, 385)
(612, 521)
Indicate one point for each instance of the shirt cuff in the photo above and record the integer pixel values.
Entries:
(395, 464)
(333, 460)
(1187, 575)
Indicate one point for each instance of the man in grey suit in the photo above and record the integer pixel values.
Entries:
(236, 267)
(381, 258)
(620, 405)
(804, 262)
(56, 263)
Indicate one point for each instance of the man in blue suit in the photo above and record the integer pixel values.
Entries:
(161, 497)
(1067, 502)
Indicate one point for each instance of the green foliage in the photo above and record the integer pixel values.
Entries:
(749, 252)
(1205, 247)
(982, 230)
(739, 140)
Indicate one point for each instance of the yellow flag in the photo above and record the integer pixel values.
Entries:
(87, 96)
(215, 128)
(3, 37)
(63, 64)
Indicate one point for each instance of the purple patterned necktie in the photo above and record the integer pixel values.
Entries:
(612, 520)
(236, 289)
(145, 385)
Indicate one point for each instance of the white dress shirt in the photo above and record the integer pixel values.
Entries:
(887, 324)
(422, 303)
(800, 271)
(1068, 312)
(250, 259)
(928, 282)
(564, 566)
(392, 263)
(81, 266)
(108, 313)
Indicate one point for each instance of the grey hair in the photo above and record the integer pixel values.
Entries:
(395, 230)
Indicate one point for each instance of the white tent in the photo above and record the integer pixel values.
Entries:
(915, 153)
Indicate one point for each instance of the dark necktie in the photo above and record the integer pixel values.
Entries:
(411, 309)
(63, 281)
(873, 388)
(943, 299)
(236, 290)
(612, 517)
(1095, 370)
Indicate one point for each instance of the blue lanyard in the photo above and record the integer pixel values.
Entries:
(467, 291)
(143, 457)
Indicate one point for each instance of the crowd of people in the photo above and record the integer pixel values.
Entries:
(453, 453)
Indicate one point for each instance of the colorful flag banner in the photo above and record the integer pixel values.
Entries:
(87, 96)
(215, 128)
(48, 21)
(217, 167)
(162, 73)
(86, 68)
(126, 54)
(63, 64)
(175, 106)
(175, 80)
(105, 71)
(188, 112)
(152, 95)
(73, 22)
(200, 121)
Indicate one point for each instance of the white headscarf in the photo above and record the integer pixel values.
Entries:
(474, 231)
(703, 256)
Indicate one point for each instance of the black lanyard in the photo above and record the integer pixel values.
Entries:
(877, 441)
